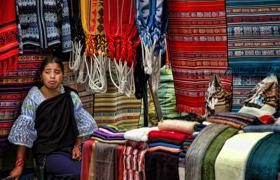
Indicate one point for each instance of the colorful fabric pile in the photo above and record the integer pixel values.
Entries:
(198, 50)
(166, 141)
(237, 120)
(109, 135)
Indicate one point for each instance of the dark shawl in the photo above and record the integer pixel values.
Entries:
(55, 124)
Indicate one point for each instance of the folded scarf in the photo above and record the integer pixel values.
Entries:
(161, 166)
(232, 159)
(87, 155)
(177, 125)
(208, 166)
(105, 162)
(263, 162)
(168, 135)
(262, 128)
(165, 149)
(160, 143)
(140, 134)
(196, 152)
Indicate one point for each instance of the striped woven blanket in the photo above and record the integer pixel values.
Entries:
(253, 43)
(13, 89)
(253, 36)
(114, 108)
(198, 50)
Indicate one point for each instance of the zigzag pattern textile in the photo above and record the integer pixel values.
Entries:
(198, 50)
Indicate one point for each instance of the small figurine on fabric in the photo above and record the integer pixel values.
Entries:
(262, 100)
(217, 99)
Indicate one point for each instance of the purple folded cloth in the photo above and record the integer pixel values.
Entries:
(107, 135)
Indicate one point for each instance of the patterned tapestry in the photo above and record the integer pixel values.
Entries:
(253, 43)
(13, 89)
(198, 50)
(116, 109)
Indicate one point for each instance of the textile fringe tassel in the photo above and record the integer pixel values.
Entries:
(124, 76)
(152, 64)
(196, 110)
(148, 56)
(75, 56)
(9, 64)
(93, 73)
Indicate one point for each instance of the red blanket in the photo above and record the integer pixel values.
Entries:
(8, 36)
(197, 49)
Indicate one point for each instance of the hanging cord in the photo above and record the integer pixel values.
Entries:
(82, 77)
(75, 56)
(156, 72)
(124, 76)
(96, 74)
(130, 87)
(118, 69)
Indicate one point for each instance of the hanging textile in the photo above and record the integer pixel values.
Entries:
(13, 89)
(8, 37)
(253, 42)
(121, 33)
(78, 36)
(151, 21)
(197, 49)
(91, 65)
(114, 108)
(93, 26)
(44, 24)
(253, 36)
